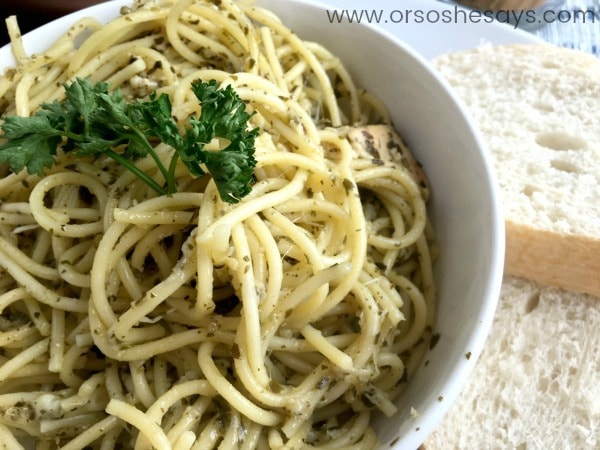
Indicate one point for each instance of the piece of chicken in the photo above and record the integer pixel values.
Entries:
(382, 143)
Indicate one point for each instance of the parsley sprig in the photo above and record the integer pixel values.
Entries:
(94, 121)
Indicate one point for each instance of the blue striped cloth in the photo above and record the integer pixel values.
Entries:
(578, 27)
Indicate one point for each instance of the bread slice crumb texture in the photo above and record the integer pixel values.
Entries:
(538, 108)
(537, 382)
(540, 111)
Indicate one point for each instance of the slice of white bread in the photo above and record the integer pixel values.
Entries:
(536, 385)
(538, 108)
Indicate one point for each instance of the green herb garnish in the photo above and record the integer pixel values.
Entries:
(94, 121)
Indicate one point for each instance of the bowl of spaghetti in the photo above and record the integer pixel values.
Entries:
(235, 225)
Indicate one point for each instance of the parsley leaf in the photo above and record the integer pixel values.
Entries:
(93, 121)
(222, 116)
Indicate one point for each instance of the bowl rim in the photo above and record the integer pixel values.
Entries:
(432, 415)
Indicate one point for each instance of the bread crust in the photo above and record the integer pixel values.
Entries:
(568, 261)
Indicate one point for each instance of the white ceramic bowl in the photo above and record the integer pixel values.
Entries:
(464, 208)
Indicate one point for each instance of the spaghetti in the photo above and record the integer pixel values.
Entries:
(140, 321)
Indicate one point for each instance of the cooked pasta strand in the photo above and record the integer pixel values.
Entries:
(133, 320)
